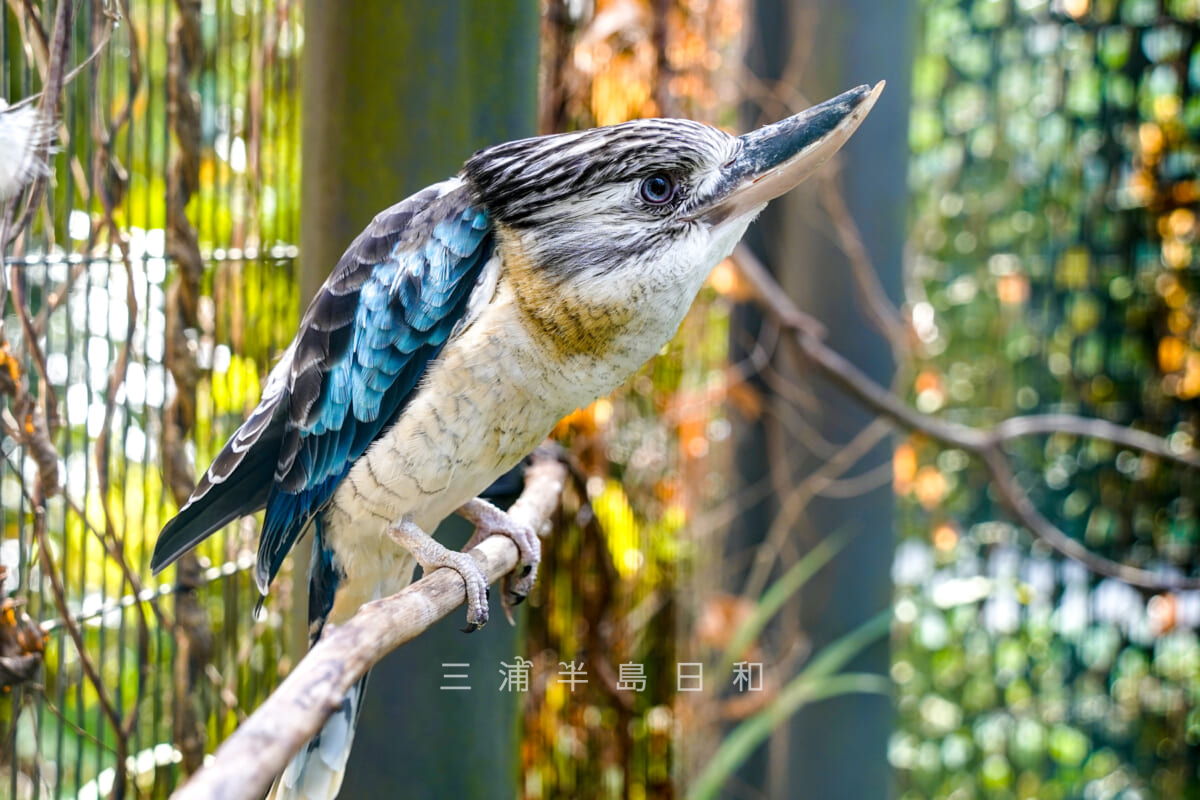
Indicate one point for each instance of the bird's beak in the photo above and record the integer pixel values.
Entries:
(775, 158)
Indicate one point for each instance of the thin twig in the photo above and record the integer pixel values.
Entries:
(113, 17)
(879, 309)
(1090, 428)
(111, 713)
(63, 20)
(112, 546)
(797, 500)
(40, 427)
(111, 184)
(763, 286)
(845, 488)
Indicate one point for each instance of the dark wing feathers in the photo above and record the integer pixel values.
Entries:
(234, 484)
(364, 343)
(232, 487)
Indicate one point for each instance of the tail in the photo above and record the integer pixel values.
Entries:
(316, 772)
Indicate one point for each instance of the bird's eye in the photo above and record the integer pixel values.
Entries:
(658, 189)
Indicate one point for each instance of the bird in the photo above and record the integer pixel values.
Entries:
(456, 331)
(24, 133)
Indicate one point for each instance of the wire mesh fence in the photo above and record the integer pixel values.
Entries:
(151, 289)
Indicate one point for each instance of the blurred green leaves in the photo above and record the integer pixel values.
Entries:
(1053, 268)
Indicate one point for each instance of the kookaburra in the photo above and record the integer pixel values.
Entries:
(457, 329)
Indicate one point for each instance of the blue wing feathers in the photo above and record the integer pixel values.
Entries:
(404, 309)
(391, 303)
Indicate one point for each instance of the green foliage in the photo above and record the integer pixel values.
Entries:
(821, 677)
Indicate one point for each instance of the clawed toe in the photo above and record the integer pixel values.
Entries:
(490, 520)
(477, 615)
(522, 586)
(431, 556)
(478, 593)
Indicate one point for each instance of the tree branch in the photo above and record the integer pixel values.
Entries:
(258, 750)
(983, 443)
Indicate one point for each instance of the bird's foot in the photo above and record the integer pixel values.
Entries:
(431, 555)
(489, 520)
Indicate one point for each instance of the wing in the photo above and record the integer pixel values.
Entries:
(239, 479)
(364, 343)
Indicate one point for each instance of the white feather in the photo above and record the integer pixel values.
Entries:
(23, 131)
(317, 774)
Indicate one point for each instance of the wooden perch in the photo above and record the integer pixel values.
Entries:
(246, 764)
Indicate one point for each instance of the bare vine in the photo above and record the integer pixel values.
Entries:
(34, 423)
(193, 634)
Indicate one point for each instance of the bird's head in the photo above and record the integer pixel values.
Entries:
(654, 199)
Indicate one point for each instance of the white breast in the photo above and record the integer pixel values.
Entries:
(485, 403)
(490, 398)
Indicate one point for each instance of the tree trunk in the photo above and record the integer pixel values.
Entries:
(836, 748)
(397, 95)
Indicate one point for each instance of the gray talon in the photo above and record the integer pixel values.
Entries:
(524, 585)
(431, 555)
(490, 520)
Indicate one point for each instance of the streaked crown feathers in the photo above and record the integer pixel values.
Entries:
(518, 181)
